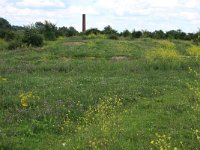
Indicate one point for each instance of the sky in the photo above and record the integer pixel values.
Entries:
(119, 14)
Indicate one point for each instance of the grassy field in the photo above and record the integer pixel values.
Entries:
(79, 93)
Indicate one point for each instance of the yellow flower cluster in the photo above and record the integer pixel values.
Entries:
(167, 44)
(94, 143)
(194, 72)
(162, 142)
(3, 79)
(25, 97)
(196, 107)
(195, 89)
(103, 113)
(161, 53)
(97, 123)
(194, 51)
(197, 134)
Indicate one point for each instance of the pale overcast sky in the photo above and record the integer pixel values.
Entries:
(120, 14)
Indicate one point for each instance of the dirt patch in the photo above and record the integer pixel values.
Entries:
(74, 43)
(119, 58)
(90, 58)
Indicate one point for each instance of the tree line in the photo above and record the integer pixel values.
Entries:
(35, 34)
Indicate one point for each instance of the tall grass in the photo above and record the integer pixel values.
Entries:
(3, 44)
(163, 58)
(194, 51)
(64, 96)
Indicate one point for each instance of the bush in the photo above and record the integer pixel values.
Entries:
(194, 51)
(14, 44)
(50, 31)
(126, 33)
(94, 36)
(3, 44)
(109, 30)
(113, 37)
(93, 31)
(163, 58)
(10, 35)
(4, 24)
(31, 37)
(136, 34)
(72, 32)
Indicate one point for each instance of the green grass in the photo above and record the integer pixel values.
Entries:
(79, 97)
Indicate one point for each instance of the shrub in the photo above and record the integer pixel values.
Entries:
(4, 24)
(50, 30)
(158, 34)
(136, 34)
(113, 37)
(9, 35)
(14, 44)
(194, 51)
(71, 32)
(3, 44)
(93, 31)
(109, 30)
(166, 44)
(31, 37)
(196, 39)
(126, 33)
(95, 36)
(162, 58)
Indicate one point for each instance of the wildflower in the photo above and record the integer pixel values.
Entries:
(3, 79)
(175, 148)
(64, 144)
(25, 97)
(24, 102)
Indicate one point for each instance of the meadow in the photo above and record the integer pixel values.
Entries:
(96, 93)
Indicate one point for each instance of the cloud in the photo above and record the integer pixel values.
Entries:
(80, 10)
(40, 3)
(130, 14)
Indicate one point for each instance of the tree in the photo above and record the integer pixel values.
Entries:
(4, 24)
(63, 31)
(108, 30)
(158, 34)
(5, 30)
(146, 34)
(126, 33)
(136, 34)
(176, 34)
(72, 32)
(93, 31)
(40, 26)
(50, 30)
(32, 37)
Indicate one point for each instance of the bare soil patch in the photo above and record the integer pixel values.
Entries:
(119, 58)
(90, 58)
(74, 43)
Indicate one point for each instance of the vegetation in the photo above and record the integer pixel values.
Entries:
(35, 34)
(87, 91)
(76, 93)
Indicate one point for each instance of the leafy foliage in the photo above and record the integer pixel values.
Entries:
(109, 30)
(93, 31)
(126, 33)
(4, 24)
(49, 31)
(113, 37)
(14, 44)
(136, 34)
(32, 38)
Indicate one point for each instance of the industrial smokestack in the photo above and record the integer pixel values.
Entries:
(84, 23)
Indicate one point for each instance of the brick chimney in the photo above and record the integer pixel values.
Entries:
(84, 23)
